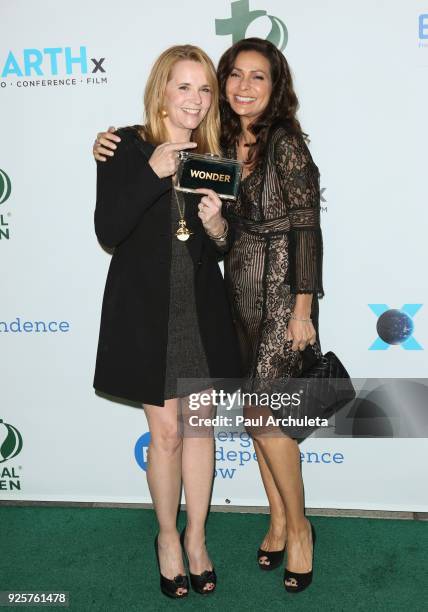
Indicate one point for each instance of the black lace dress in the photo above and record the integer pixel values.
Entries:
(277, 254)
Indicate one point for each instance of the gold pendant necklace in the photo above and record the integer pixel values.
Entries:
(183, 233)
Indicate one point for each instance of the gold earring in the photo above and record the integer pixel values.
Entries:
(164, 113)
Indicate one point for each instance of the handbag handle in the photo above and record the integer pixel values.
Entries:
(317, 352)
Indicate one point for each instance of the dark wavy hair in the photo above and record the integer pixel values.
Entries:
(282, 106)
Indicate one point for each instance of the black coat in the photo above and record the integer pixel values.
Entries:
(133, 215)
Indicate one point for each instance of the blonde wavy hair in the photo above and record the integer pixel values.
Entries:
(207, 133)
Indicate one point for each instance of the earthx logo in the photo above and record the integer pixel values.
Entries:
(51, 67)
(242, 17)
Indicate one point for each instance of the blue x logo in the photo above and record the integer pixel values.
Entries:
(395, 327)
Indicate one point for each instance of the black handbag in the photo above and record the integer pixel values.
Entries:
(323, 388)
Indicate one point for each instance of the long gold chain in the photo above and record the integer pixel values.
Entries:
(183, 233)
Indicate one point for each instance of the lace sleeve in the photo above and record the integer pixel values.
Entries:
(300, 184)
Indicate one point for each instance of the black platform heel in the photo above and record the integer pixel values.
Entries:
(199, 581)
(275, 558)
(170, 587)
(303, 580)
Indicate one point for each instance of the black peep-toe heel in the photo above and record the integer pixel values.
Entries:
(275, 558)
(199, 581)
(170, 587)
(302, 580)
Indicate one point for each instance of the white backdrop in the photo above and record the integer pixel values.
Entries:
(361, 76)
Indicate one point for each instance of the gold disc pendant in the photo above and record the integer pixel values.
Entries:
(183, 233)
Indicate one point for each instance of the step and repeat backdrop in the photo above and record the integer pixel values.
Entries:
(69, 70)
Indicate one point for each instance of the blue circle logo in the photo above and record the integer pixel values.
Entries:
(394, 326)
(140, 450)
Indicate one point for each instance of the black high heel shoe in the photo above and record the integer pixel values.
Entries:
(275, 558)
(170, 587)
(199, 581)
(303, 580)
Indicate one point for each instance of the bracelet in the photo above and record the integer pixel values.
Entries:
(222, 236)
(293, 316)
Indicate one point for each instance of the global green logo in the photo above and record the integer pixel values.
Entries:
(5, 186)
(10, 441)
(237, 25)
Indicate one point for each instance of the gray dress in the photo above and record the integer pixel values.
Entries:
(186, 357)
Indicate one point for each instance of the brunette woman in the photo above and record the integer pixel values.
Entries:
(273, 271)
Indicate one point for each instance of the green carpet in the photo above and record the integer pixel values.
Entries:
(105, 559)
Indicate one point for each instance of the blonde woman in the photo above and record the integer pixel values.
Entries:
(165, 312)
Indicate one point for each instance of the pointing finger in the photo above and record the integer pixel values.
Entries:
(179, 146)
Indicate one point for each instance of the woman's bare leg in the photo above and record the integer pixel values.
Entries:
(164, 480)
(282, 455)
(198, 473)
(276, 536)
